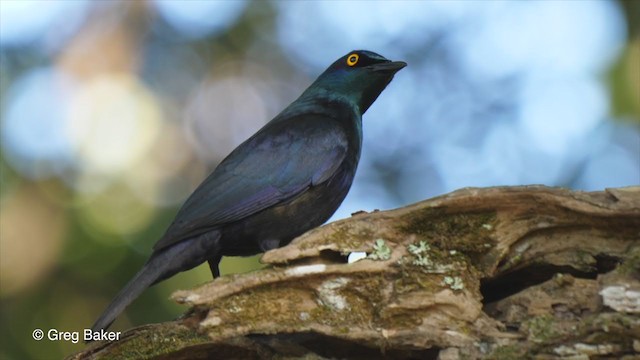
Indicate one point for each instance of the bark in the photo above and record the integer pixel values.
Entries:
(505, 272)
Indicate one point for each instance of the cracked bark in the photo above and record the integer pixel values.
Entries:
(505, 272)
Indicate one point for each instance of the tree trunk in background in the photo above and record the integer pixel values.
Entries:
(505, 272)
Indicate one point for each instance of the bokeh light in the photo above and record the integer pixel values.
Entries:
(510, 38)
(30, 21)
(116, 212)
(239, 110)
(32, 234)
(33, 131)
(200, 17)
(114, 111)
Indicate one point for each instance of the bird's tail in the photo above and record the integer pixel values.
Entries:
(163, 264)
(148, 275)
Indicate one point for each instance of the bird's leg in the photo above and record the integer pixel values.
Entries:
(213, 265)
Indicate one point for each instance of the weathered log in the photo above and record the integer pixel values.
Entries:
(505, 272)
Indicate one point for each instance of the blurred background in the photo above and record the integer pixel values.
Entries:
(114, 111)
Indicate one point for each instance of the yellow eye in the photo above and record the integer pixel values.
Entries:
(352, 59)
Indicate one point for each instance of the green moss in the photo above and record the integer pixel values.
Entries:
(411, 280)
(361, 293)
(469, 233)
(401, 319)
(428, 268)
(585, 261)
(249, 307)
(541, 328)
(154, 342)
(345, 237)
(434, 260)
(507, 352)
(511, 262)
(614, 328)
(631, 264)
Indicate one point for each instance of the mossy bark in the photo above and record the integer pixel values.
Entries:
(502, 273)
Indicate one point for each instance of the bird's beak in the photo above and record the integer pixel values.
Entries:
(388, 67)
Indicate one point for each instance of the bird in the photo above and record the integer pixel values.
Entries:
(287, 178)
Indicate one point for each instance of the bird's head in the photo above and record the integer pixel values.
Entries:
(360, 76)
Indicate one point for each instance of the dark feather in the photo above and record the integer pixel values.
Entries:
(275, 165)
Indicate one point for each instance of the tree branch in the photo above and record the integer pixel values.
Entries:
(504, 272)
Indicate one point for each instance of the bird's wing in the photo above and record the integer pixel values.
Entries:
(279, 162)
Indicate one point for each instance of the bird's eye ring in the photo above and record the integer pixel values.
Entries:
(352, 59)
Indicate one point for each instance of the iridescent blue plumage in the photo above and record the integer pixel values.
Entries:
(286, 179)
